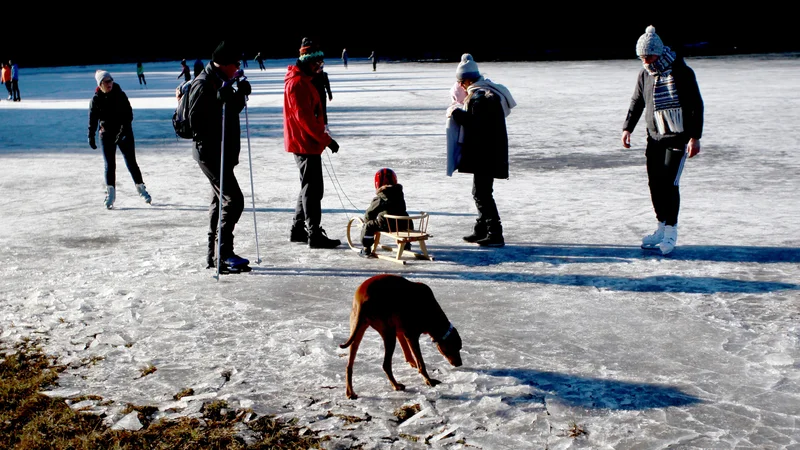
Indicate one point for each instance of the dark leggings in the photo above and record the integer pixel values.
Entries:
(664, 167)
(141, 79)
(109, 155)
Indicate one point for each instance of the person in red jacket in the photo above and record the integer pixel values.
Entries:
(304, 135)
(6, 79)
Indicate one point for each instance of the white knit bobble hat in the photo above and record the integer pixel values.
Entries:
(649, 43)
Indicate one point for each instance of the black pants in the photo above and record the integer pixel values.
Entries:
(15, 89)
(482, 193)
(309, 201)
(8, 88)
(127, 147)
(141, 79)
(324, 100)
(232, 206)
(664, 167)
(261, 65)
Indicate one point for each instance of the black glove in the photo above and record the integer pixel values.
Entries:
(92, 143)
(225, 94)
(244, 87)
(334, 146)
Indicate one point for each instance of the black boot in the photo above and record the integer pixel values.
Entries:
(317, 238)
(298, 233)
(494, 238)
(479, 232)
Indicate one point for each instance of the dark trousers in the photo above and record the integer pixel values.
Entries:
(261, 65)
(127, 148)
(15, 89)
(664, 167)
(8, 88)
(324, 101)
(232, 207)
(482, 190)
(141, 79)
(309, 201)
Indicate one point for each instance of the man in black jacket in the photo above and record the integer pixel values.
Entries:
(212, 98)
(667, 93)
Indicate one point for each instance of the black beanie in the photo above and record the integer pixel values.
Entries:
(226, 53)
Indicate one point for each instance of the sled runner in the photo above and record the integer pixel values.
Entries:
(398, 232)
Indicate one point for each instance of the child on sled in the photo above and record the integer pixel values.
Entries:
(389, 199)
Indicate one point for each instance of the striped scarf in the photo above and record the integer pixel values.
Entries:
(667, 104)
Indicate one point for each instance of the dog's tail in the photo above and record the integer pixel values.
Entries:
(349, 341)
(353, 331)
(355, 321)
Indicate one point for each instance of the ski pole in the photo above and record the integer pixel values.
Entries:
(252, 188)
(219, 199)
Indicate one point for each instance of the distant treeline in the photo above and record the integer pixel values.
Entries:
(518, 37)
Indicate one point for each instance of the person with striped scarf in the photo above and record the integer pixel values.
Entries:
(668, 95)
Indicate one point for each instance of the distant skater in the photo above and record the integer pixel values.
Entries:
(14, 80)
(185, 71)
(344, 58)
(374, 58)
(323, 85)
(199, 66)
(140, 74)
(260, 60)
(6, 79)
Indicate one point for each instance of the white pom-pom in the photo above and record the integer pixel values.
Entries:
(466, 57)
(650, 30)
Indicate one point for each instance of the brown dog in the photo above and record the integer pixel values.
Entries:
(397, 307)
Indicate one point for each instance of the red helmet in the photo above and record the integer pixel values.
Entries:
(385, 176)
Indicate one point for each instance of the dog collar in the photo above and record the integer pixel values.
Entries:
(449, 330)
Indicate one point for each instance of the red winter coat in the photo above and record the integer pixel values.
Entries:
(303, 121)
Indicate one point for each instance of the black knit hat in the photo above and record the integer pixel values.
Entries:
(226, 53)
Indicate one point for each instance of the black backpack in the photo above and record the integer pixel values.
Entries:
(180, 118)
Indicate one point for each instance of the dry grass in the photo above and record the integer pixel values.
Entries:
(30, 420)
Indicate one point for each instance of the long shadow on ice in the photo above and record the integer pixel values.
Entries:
(664, 283)
(583, 253)
(595, 393)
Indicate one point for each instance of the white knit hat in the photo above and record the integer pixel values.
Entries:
(101, 75)
(649, 43)
(467, 68)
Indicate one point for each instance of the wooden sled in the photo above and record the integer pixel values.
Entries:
(398, 233)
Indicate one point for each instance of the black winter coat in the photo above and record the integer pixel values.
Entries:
(691, 104)
(388, 200)
(485, 147)
(112, 112)
(205, 119)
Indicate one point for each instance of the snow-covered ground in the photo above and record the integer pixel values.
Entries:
(570, 327)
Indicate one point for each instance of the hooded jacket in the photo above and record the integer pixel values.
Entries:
(303, 120)
(112, 112)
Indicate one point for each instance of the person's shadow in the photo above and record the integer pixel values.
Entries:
(593, 393)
